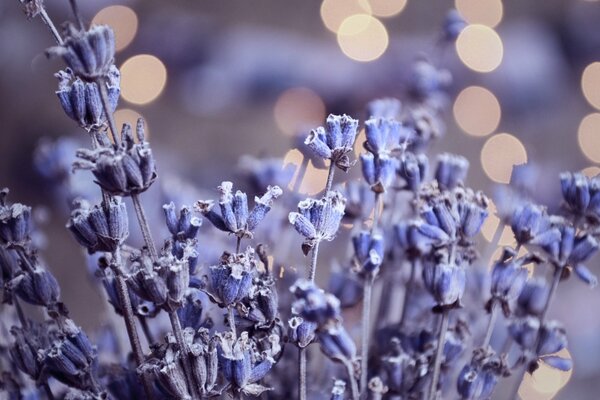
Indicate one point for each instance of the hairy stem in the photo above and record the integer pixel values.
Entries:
(231, 321)
(238, 245)
(187, 367)
(302, 373)
(555, 281)
(353, 384)
(76, 13)
(47, 390)
(144, 226)
(330, 174)
(101, 82)
(437, 362)
(48, 22)
(490, 327)
(313, 262)
(366, 327)
(128, 316)
(409, 289)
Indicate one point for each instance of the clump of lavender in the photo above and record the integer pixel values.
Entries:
(412, 232)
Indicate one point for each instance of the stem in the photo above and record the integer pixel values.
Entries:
(144, 226)
(187, 368)
(313, 262)
(330, 177)
(134, 340)
(302, 374)
(48, 22)
(238, 244)
(408, 291)
(47, 390)
(353, 385)
(366, 319)
(75, 9)
(376, 212)
(437, 362)
(490, 327)
(25, 261)
(521, 373)
(109, 115)
(231, 321)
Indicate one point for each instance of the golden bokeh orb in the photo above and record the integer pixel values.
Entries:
(143, 78)
(499, 154)
(477, 111)
(480, 48)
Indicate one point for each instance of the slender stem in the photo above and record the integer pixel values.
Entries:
(366, 319)
(408, 291)
(231, 321)
(302, 374)
(146, 329)
(134, 340)
(353, 384)
(551, 294)
(313, 262)
(238, 244)
(330, 174)
(25, 261)
(75, 9)
(490, 328)
(187, 368)
(377, 211)
(144, 226)
(46, 18)
(437, 362)
(47, 390)
(109, 115)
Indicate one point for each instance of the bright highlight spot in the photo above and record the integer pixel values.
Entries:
(362, 38)
(143, 79)
(129, 116)
(387, 8)
(590, 84)
(545, 382)
(298, 108)
(588, 136)
(591, 172)
(480, 48)
(122, 20)
(334, 12)
(484, 12)
(477, 111)
(499, 154)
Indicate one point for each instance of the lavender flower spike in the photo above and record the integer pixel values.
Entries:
(451, 170)
(90, 54)
(334, 141)
(318, 220)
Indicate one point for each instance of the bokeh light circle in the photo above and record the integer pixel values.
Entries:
(477, 111)
(499, 154)
(484, 12)
(334, 12)
(588, 136)
(143, 78)
(590, 84)
(480, 48)
(297, 108)
(124, 22)
(362, 37)
(387, 8)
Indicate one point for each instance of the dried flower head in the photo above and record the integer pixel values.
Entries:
(335, 140)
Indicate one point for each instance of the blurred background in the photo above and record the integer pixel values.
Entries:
(221, 79)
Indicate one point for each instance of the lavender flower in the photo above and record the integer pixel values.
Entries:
(231, 280)
(444, 280)
(182, 227)
(318, 220)
(81, 100)
(453, 25)
(234, 216)
(451, 170)
(369, 251)
(413, 169)
(335, 141)
(89, 54)
(103, 227)
(122, 170)
(387, 108)
(508, 279)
